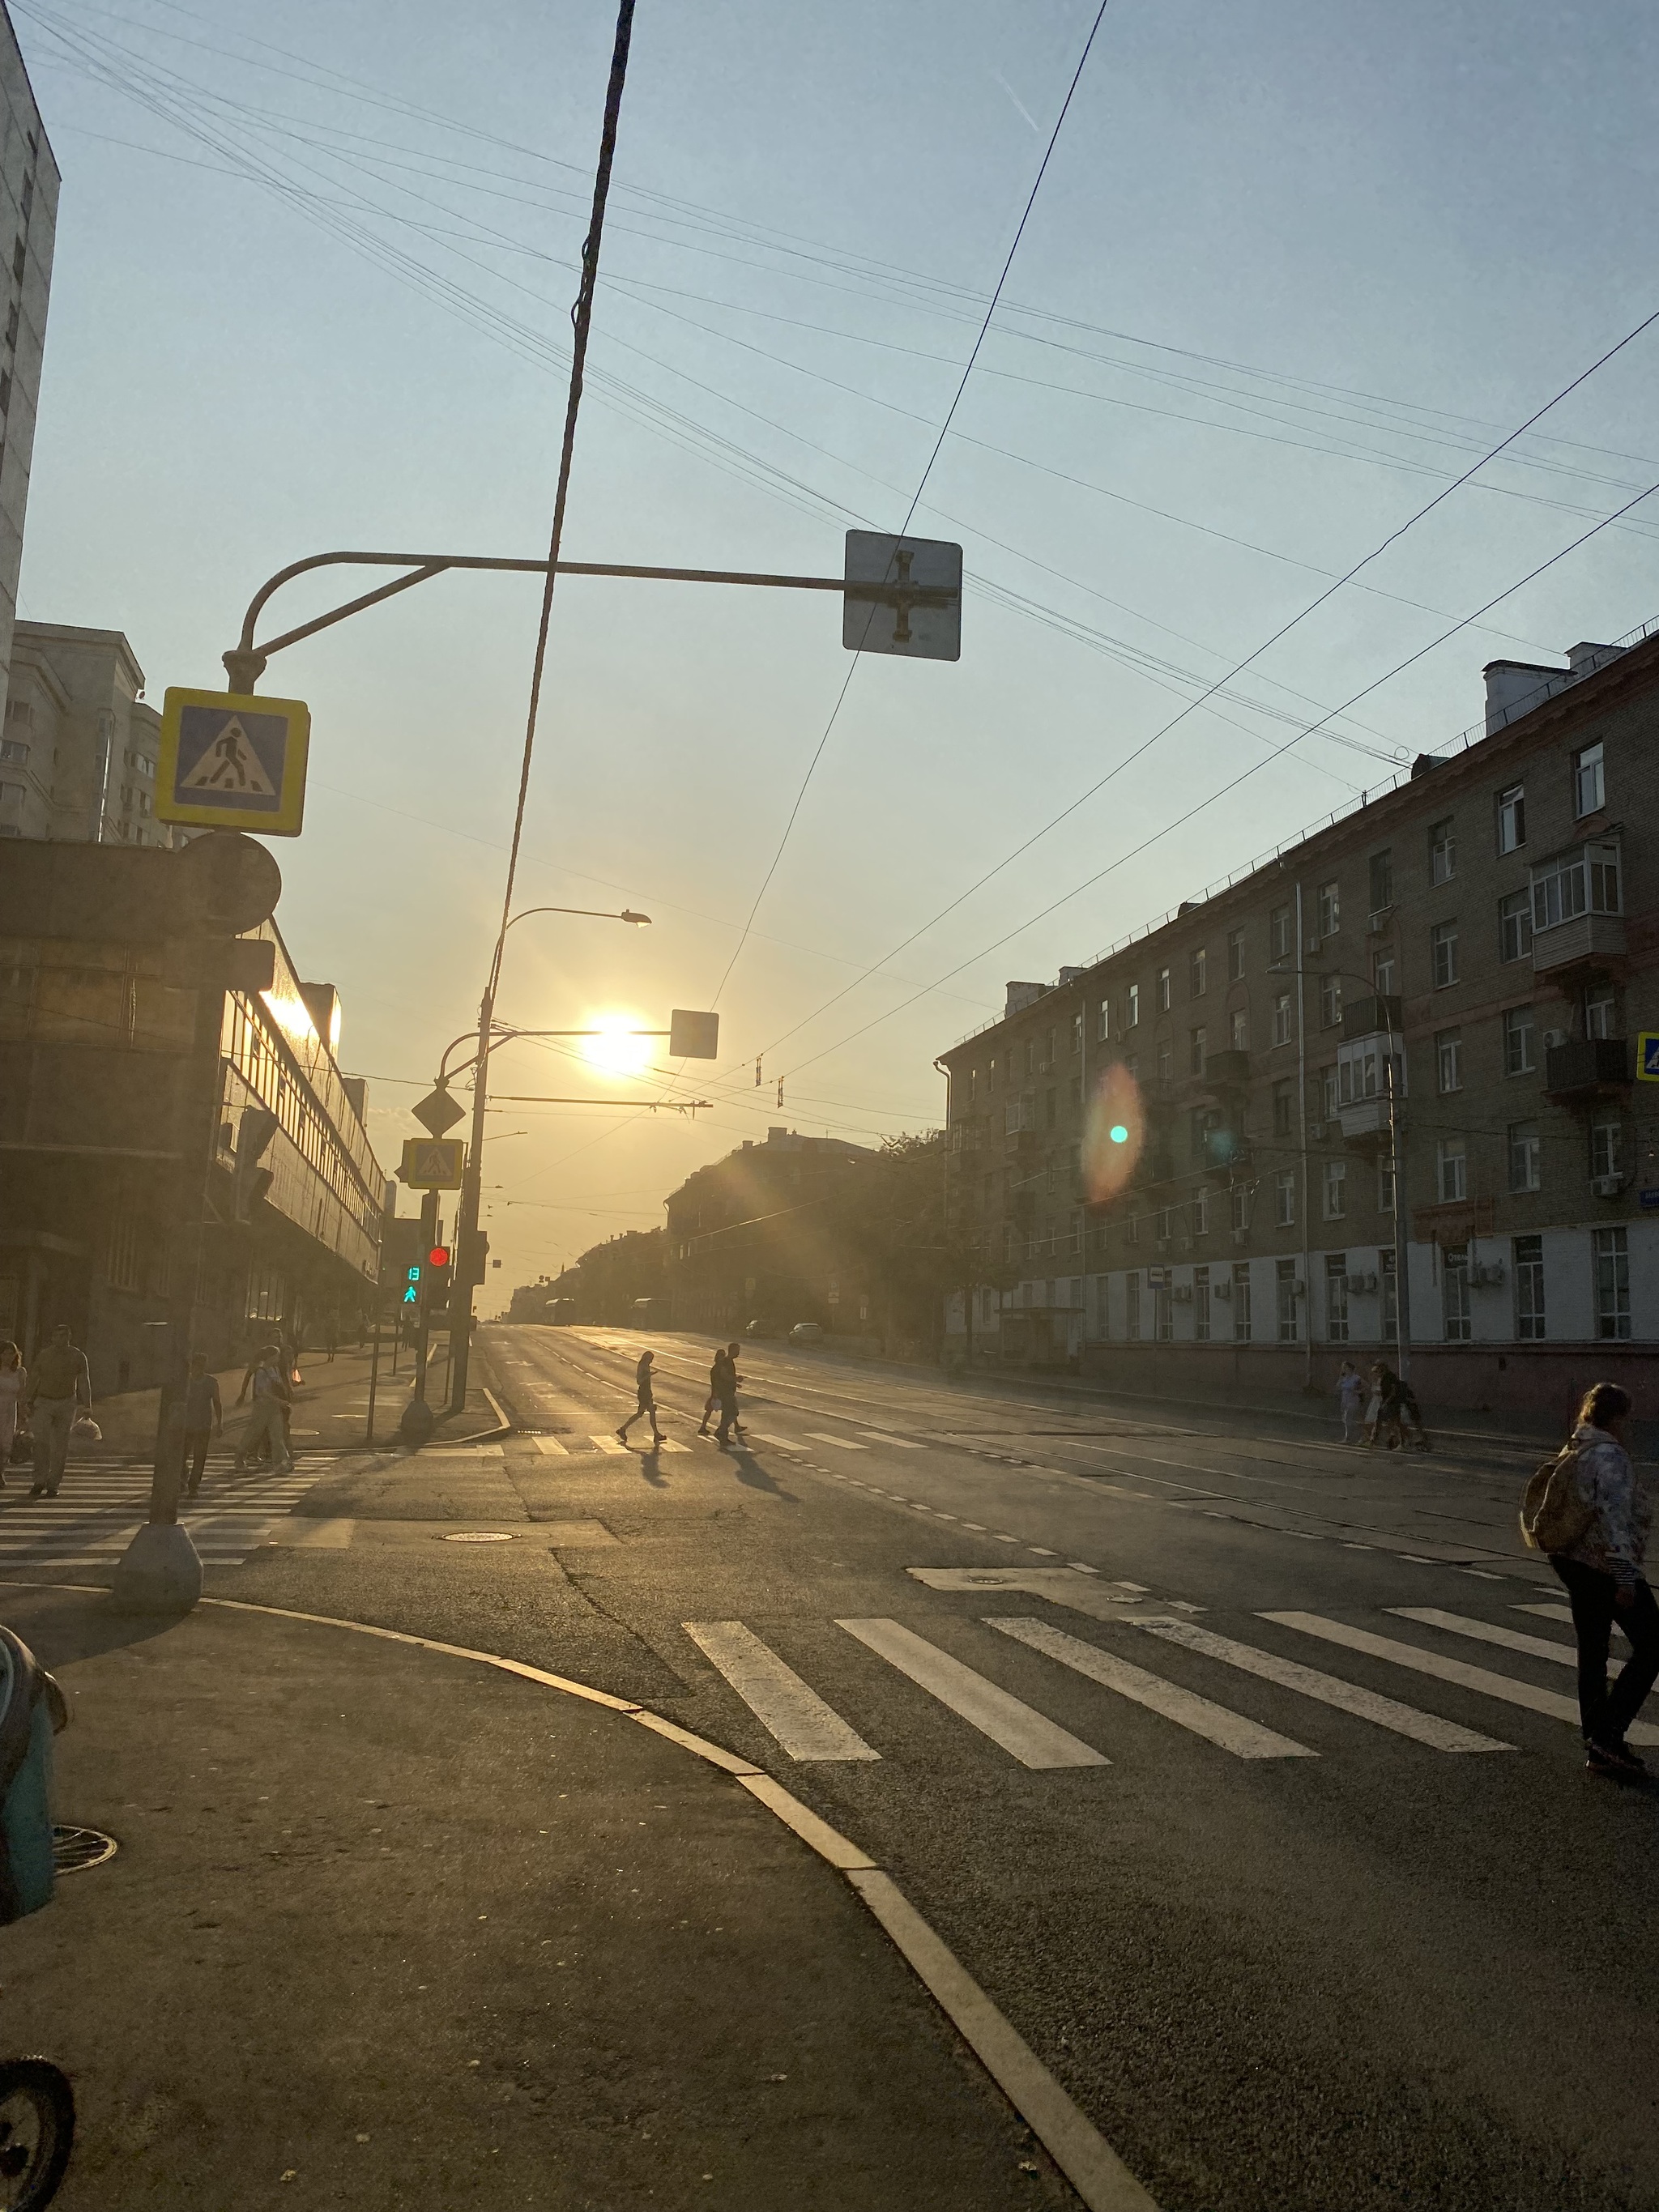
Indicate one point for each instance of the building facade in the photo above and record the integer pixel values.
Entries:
(28, 229)
(753, 1237)
(1187, 1142)
(99, 984)
(78, 756)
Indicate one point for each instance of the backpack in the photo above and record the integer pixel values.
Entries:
(1553, 1514)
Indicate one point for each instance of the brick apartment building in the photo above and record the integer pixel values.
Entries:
(753, 1237)
(1186, 1141)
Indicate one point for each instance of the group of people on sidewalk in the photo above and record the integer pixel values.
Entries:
(722, 1397)
(1391, 1415)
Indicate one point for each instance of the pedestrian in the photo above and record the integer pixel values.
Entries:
(1602, 1573)
(271, 1394)
(647, 1403)
(1410, 1415)
(204, 1413)
(1383, 1426)
(729, 1397)
(331, 1337)
(59, 1388)
(1349, 1395)
(715, 1372)
(14, 1382)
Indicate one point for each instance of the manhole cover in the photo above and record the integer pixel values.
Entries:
(75, 1848)
(477, 1536)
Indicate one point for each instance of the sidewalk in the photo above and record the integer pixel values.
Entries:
(388, 1929)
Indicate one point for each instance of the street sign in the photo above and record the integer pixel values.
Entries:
(901, 595)
(1647, 1057)
(233, 762)
(438, 1111)
(433, 1163)
(1648, 1200)
(693, 1036)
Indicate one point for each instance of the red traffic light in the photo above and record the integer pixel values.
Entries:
(438, 1257)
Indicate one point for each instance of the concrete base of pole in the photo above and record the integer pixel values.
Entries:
(417, 1423)
(159, 1572)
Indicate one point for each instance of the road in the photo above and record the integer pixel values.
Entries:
(1240, 1769)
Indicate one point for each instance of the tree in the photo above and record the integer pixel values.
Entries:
(895, 1219)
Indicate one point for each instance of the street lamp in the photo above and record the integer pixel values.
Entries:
(641, 920)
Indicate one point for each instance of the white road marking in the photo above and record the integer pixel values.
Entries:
(842, 1444)
(1478, 1679)
(1041, 1550)
(1245, 1738)
(1024, 1733)
(783, 1443)
(1328, 1689)
(551, 1448)
(610, 1444)
(796, 1716)
(1549, 1612)
(1483, 1631)
(881, 1436)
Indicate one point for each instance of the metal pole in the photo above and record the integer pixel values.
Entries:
(1302, 1104)
(466, 1219)
(1402, 1330)
(429, 1237)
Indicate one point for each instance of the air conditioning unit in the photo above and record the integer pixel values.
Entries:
(1486, 1274)
(1221, 1290)
(1554, 1039)
(1362, 1286)
(1378, 921)
(1608, 1186)
(1240, 1236)
(1316, 1132)
(1313, 940)
(1182, 1294)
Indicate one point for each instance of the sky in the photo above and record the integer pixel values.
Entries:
(1290, 271)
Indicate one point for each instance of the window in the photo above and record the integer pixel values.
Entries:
(1449, 1060)
(1515, 926)
(1133, 1020)
(1050, 1049)
(1240, 1301)
(1132, 1229)
(1336, 1296)
(1076, 1032)
(1520, 1042)
(1381, 881)
(1162, 1314)
(1164, 990)
(1165, 1061)
(1241, 1029)
(14, 751)
(1103, 1025)
(1385, 1184)
(1443, 954)
(1601, 1010)
(1390, 1286)
(1284, 1107)
(1132, 1307)
(1165, 1223)
(1526, 1146)
(1383, 972)
(1201, 1305)
(1530, 1289)
(1612, 1281)
(1132, 1067)
(1330, 909)
(1454, 1295)
(122, 1252)
(1330, 1001)
(1197, 967)
(1278, 933)
(1583, 880)
(13, 794)
(1442, 851)
(1284, 1198)
(1512, 818)
(1241, 1208)
(1607, 1147)
(1336, 1189)
(1195, 1052)
(1452, 1169)
(1329, 1092)
(1282, 1019)
(1235, 955)
(1030, 1055)
(1285, 1286)
(991, 1073)
(1590, 792)
(1074, 1235)
(1201, 1213)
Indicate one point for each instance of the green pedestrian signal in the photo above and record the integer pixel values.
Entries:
(412, 1288)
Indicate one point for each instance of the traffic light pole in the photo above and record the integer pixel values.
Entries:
(429, 1238)
(466, 1219)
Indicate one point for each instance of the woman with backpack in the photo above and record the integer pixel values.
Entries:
(1602, 1568)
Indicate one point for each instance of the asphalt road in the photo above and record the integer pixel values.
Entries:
(1238, 1767)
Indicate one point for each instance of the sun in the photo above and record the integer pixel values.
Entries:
(618, 1049)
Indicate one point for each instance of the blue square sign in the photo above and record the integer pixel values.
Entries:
(230, 762)
(1647, 1057)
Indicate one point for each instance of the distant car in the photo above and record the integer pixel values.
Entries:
(806, 1332)
(764, 1329)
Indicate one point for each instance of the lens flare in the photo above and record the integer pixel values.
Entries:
(617, 1048)
(1113, 1133)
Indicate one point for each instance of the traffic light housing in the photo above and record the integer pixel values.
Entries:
(436, 1275)
(472, 1259)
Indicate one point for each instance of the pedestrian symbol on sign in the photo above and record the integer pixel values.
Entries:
(1647, 1057)
(433, 1163)
(230, 764)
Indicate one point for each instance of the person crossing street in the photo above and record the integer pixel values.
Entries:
(726, 1387)
(60, 1389)
(1604, 1580)
(272, 1395)
(204, 1415)
(647, 1402)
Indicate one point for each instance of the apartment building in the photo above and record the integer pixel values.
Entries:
(28, 228)
(755, 1236)
(1186, 1142)
(79, 743)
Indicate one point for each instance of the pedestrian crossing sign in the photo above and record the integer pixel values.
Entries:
(231, 761)
(1647, 1057)
(433, 1163)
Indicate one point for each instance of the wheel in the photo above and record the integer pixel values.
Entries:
(37, 2132)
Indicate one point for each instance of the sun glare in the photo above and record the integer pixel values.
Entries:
(615, 1049)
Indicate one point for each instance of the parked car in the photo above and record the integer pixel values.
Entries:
(764, 1328)
(806, 1332)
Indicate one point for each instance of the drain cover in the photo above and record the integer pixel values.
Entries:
(75, 1848)
(477, 1536)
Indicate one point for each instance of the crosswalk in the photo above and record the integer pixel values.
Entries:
(99, 1509)
(1121, 1659)
(607, 1444)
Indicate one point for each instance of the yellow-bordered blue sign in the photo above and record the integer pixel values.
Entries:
(433, 1163)
(230, 762)
(1647, 1057)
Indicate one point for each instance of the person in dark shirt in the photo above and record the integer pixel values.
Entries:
(647, 1403)
(716, 1370)
(727, 1390)
(204, 1417)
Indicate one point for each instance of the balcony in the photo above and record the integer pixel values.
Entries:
(1588, 941)
(1366, 1119)
(1586, 1068)
(1364, 1017)
(1224, 1070)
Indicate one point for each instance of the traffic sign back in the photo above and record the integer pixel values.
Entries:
(234, 761)
(433, 1163)
(901, 595)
